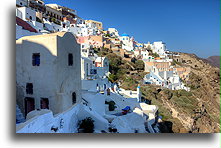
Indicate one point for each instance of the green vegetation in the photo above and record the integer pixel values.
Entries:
(181, 99)
(129, 74)
(87, 125)
(155, 55)
(107, 35)
(111, 105)
(175, 63)
(54, 20)
(194, 81)
(139, 65)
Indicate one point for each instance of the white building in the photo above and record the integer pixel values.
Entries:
(159, 48)
(88, 70)
(113, 32)
(145, 54)
(102, 66)
(48, 73)
(127, 42)
(21, 3)
(26, 14)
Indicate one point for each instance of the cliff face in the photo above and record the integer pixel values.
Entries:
(196, 111)
(205, 86)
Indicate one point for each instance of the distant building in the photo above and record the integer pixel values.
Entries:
(127, 42)
(37, 5)
(21, 3)
(113, 32)
(94, 41)
(48, 72)
(159, 48)
(26, 14)
(88, 70)
(102, 66)
(93, 24)
(156, 66)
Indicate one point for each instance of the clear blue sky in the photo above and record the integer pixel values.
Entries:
(191, 26)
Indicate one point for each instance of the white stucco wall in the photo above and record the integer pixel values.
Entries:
(53, 79)
(66, 122)
(27, 14)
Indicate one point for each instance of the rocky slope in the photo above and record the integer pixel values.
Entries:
(213, 60)
(205, 83)
(196, 111)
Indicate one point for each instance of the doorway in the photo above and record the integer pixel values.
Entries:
(44, 103)
(29, 105)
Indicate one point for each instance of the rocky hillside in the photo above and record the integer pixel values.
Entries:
(126, 73)
(213, 60)
(205, 86)
(196, 111)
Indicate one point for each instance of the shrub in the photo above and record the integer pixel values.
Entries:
(139, 65)
(87, 125)
(111, 105)
(155, 55)
(112, 78)
(175, 63)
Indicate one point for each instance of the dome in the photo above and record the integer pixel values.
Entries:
(124, 34)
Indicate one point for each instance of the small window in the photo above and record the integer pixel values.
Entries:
(44, 103)
(74, 99)
(29, 88)
(30, 17)
(70, 59)
(36, 59)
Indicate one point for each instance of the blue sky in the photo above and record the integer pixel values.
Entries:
(191, 26)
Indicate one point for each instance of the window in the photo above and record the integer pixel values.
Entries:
(44, 103)
(74, 99)
(87, 68)
(30, 17)
(70, 59)
(36, 59)
(29, 88)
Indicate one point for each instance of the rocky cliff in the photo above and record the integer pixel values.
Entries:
(196, 111)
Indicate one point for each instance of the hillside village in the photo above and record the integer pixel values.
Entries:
(63, 79)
